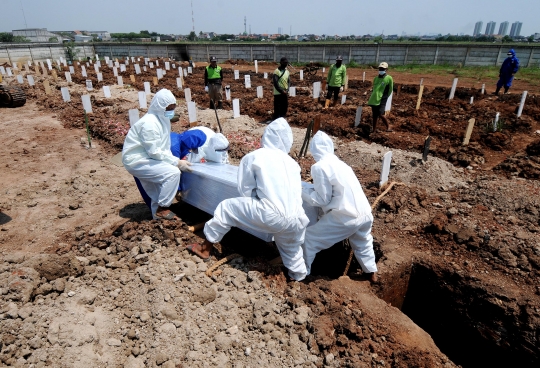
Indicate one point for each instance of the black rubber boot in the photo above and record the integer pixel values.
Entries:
(212, 105)
(220, 105)
(506, 90)
(497, 91)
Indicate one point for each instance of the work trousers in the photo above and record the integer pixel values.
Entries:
(281, 104)
(331, 229)
(260, 215)
(214, 92)
(334, 91)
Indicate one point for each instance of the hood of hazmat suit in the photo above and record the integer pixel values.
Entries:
(278, 135)
(190, 140)
(149, 137)
(336, 187)
(270, 173)
(212, 149)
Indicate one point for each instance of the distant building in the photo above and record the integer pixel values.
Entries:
(38, 35)
(515, 31)
(490, 28)
(82, 38)
(478, 28)
(102, 35)
(503, 29)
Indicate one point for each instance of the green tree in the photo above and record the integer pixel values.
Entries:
(6, 37)
(530, 38)
(192, 36)
(71, 51)
(282, 37)
(53, 39)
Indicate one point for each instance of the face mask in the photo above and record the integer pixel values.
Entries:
(382, 72)
(169, 114)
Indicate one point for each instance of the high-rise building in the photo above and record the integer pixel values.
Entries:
(515, 31)
(503, 29)
(478, 28)
(490, 28)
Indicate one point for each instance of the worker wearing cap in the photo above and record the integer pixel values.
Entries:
(213, 77)
(281, 81)
(509, 67)
(335, 81)
(383, 86)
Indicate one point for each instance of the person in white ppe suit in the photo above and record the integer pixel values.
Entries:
(270, 184)
(346, 210)
(147, 154)
(214, 148)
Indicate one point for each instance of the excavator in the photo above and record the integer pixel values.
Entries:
(11, 96)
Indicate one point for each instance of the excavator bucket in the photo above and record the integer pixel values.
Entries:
(11, 96)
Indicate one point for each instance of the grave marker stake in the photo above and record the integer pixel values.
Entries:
(522, 103)
(468, 132)
(427, 142)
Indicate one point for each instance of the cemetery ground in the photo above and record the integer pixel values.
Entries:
(88, 279)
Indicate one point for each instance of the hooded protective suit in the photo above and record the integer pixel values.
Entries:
(269, 181)
(347, 213)
(181, 144)
(213, 149)
(509, 67)
(147, 153)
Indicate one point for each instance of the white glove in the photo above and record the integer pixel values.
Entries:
(206, 89)
(341, 89)
(184, 165)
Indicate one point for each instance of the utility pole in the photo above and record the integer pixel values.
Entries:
(24, 16)
(192, 17)
(245, 28)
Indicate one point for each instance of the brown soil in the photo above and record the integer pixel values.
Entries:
(463, 261)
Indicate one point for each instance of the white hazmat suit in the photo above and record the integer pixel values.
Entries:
(147, 153)
(269, 181)
(213, 148)
(347, 213)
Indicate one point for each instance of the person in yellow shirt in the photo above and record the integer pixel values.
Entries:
(383, 86)
(335, 81)
(281, 81)
(213, 78)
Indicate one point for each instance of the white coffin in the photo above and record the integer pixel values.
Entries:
(210, 183)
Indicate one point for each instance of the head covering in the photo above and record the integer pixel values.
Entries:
(339, 57)
(283, 60)
(321, 145)
(213, 58)
(181, 143)
(278, 135)
(511, 52)
(161, 100)
(384, 65)
(219, 142)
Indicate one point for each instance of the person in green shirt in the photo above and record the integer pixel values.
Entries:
(383, 85)
(335, 80)
(281, 81)
(213, 78)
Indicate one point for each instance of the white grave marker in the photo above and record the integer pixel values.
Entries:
(96, 68)
(453, 89)
(387, 159)
(142, 100)
(343, 99)
(147, 88)
(316, 89)
(100, 77)
(122, 68)
(228, 92)
(192, 112)
(151, 65)
(99, 64)
(120, 81)
(115, 71)
(358, 116)
(180, 73)
(472, 99)
(2, 70)
(236, 108)
(179, 83)
(363, 76)
(68, 77)
(65, 94)
(159, 73)
(236, 74)
(133, 116)
(256, 67)
(301, 75)
(292, 91)
(157, 62)
(30, 80)
(106, 91)
(483, 88)
(144, 68)
(323, 69)
(247, 81)
(9, 73)
(97, 57)
(522, 103)
(189, 70)
(49, 65)
(89, 85)
(20, 79)
(87, 104)
(496, 121)
(185, 72)
(137, 69)
(71, 69)
(265, 75)
(187, 94)
(83, 71)
(167, 65)
(259, 92)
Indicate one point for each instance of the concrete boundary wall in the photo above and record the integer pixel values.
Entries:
(394, 54)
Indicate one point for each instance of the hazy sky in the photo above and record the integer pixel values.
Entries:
(343, 17)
